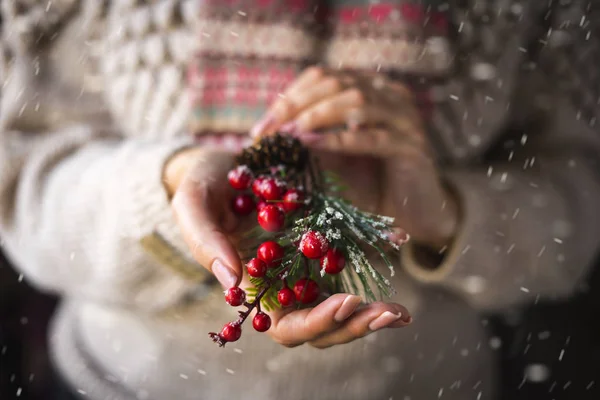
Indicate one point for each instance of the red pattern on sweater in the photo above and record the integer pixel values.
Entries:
(243, 85)
(384, 12)
(227, 73)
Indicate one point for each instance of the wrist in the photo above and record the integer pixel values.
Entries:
(177, 166)
(446, 227)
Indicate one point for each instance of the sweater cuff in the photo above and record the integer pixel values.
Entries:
(472, 263)
(435, 266)
(154, 224)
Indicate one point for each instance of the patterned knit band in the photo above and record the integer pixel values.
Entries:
(249, 51)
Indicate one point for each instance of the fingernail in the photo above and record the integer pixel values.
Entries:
(398, 236)
(406, 318)
(261, 125)
(384, 320)
(349, 305)
(224, 274)
(289, 127)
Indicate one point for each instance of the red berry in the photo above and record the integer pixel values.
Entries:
(306, 290)
(333, 262)
(240, 177)
(235, 296)
(313, 245)
(261, 204)
(270, 189)
(292, 200)
(286, 297)
(261, 322)
(231, 332)
(256, 268)
(271, 253)
(243, 204)
(257, 186)
(271, 218)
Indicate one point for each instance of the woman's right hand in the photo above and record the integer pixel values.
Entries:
(196, 180)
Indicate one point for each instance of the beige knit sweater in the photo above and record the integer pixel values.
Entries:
(83, 213)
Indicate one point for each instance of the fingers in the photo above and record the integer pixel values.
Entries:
(308, 77)
(363, 103)
(298, 327)
(372, 318)
(320, 99)
(368, 141)
(288, 107)
(349, 108)
(334, 111)
(337, 321)
(201, 214)
(284, 107)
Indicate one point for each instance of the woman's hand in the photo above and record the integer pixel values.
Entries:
(196, 180)
(375, 117)
(337, 320)
(320, 100)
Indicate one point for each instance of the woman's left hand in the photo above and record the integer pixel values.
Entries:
(377, 117)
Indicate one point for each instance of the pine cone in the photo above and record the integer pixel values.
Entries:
(273, 151)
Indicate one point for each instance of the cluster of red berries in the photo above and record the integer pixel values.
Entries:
(305, 291)
(272, 199)
(232, 331)
(269, 196)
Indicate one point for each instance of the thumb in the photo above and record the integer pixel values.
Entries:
(199, 213)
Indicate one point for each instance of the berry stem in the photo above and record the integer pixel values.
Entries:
(250, 306)
(254, 304)
(306, 267)
(243, 315)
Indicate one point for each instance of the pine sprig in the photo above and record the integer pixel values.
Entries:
(345, 227)
(333, 228)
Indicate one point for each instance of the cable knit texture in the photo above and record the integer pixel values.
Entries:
(95, 100)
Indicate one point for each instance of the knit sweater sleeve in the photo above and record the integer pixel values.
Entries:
(83, 210)
(528, 225)
(528, 228)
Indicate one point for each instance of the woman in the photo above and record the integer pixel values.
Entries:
(107, 201)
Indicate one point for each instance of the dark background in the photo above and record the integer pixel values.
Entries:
(24, 314)
(562, 339)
